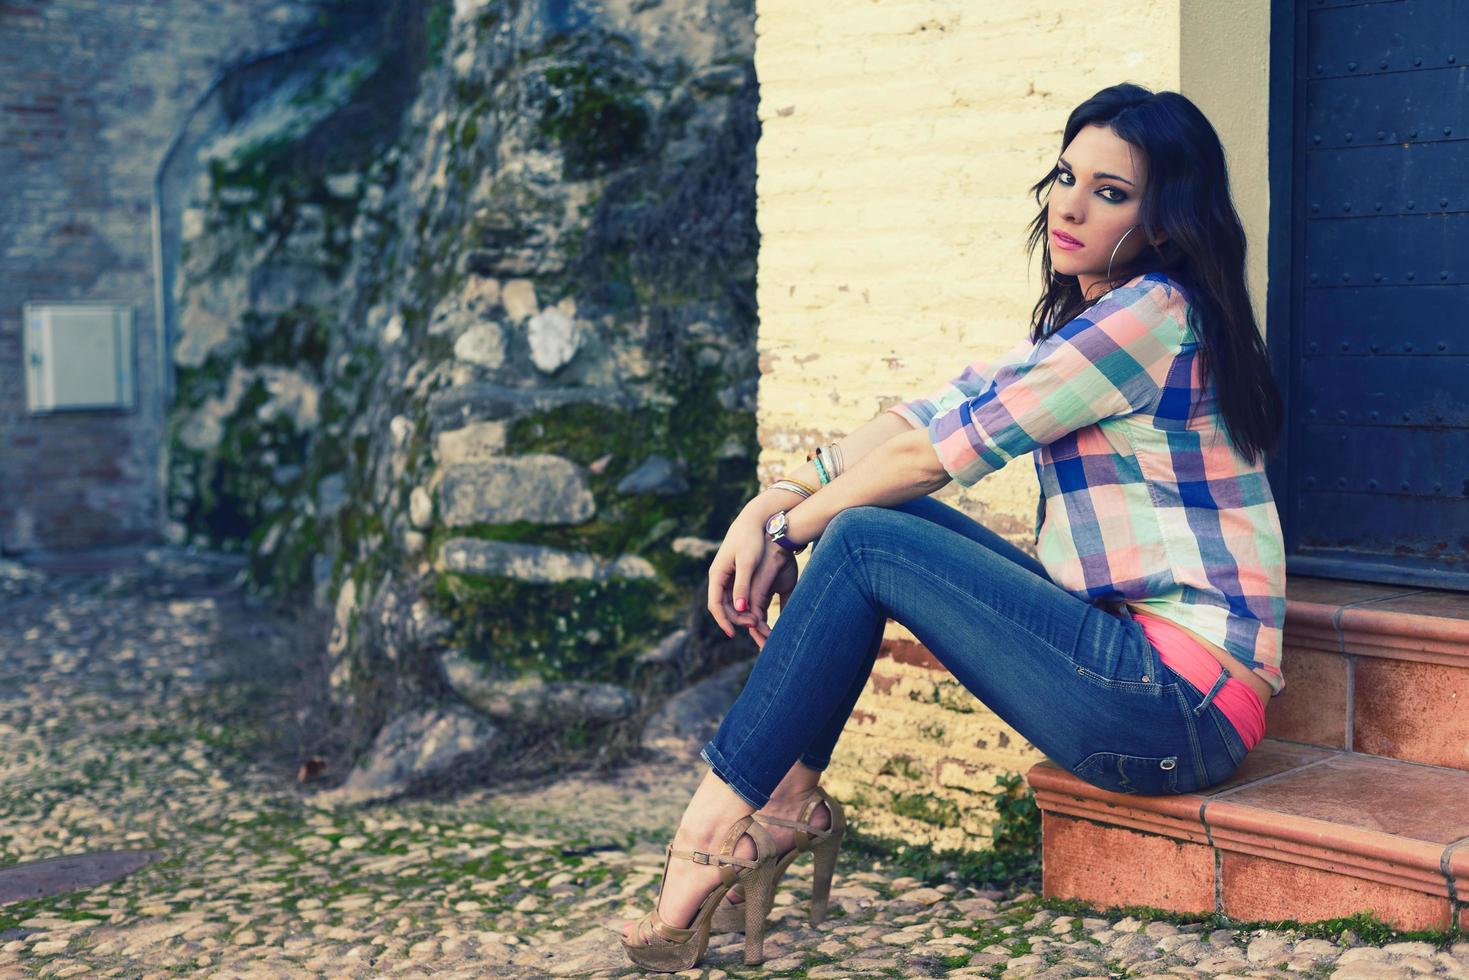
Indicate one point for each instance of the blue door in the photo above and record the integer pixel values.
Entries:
(1369, 287)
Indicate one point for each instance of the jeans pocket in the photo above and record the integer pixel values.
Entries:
(1233, 744)
(1140, 774)
(1216, 731)
(1116, 654)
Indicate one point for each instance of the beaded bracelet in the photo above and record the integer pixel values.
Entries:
(820, 467)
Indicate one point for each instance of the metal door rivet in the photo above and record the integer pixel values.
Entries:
(1443, 275)
(1347, 206)
(1443, 202)
(1168, 763)
(1351, 66)
(1410, 205)
(1382, 63)
(1410, 277)
(1448, 130)
(1349, 137)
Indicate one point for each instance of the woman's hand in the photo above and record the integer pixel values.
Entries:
(747, 569)
(776, 576)
(734, 562)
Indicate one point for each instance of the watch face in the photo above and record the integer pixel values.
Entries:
(776, 525)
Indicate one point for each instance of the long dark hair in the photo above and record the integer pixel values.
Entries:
(1187, 196)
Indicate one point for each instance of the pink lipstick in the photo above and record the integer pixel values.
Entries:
(1063, 240)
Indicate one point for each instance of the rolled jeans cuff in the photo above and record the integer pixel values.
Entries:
(732, 778)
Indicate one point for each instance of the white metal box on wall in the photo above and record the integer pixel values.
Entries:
(78, 356)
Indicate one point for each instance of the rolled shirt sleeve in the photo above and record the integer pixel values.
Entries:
(1111, 360)
(973, 380)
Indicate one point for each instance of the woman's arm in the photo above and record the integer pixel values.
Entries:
(900, 469)
(1110, 361)
(732, 566)
(872, 434)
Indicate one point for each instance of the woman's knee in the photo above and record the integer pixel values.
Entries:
(852, 520)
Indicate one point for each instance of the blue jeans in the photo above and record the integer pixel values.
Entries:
(1082, 684)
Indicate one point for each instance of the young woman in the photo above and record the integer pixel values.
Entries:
(1140, 650)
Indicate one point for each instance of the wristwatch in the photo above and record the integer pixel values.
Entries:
(778, 527)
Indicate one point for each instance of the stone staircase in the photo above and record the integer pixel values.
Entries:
(1357, 799)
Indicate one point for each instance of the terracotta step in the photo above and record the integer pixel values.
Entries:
(1380, 670)
(1299, 832)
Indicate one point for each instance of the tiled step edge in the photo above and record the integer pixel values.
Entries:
(1409, 625)
(1431, 869)
(1373, 856)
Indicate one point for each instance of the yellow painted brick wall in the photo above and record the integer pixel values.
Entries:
(898, 141)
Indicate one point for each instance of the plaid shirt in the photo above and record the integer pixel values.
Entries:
(1147, 507)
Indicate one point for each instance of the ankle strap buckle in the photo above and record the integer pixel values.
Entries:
(700, 857)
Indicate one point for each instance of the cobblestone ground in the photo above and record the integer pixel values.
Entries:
(120, 700)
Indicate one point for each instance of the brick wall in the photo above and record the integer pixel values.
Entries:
(898, 141)
(91, 93)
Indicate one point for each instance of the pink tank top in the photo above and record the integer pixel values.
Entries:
(1240, 704)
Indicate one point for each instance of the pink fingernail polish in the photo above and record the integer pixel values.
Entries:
(740, 604)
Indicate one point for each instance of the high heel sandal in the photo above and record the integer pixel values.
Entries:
(823, 844)
(666, 948)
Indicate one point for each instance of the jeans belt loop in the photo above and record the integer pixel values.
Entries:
(1219, 683)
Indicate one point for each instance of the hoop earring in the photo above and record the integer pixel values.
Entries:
(1116, 247)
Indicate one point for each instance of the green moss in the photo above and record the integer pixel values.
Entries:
(904, 766)
(596, 117)
(585, 630)
(296, 339)
(968, 865)
(230, 489)
(1361, 928)
(932, 730)
(1018, 827)
(585, 433)
(436, 28)
(468, 132)
(926, 808)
